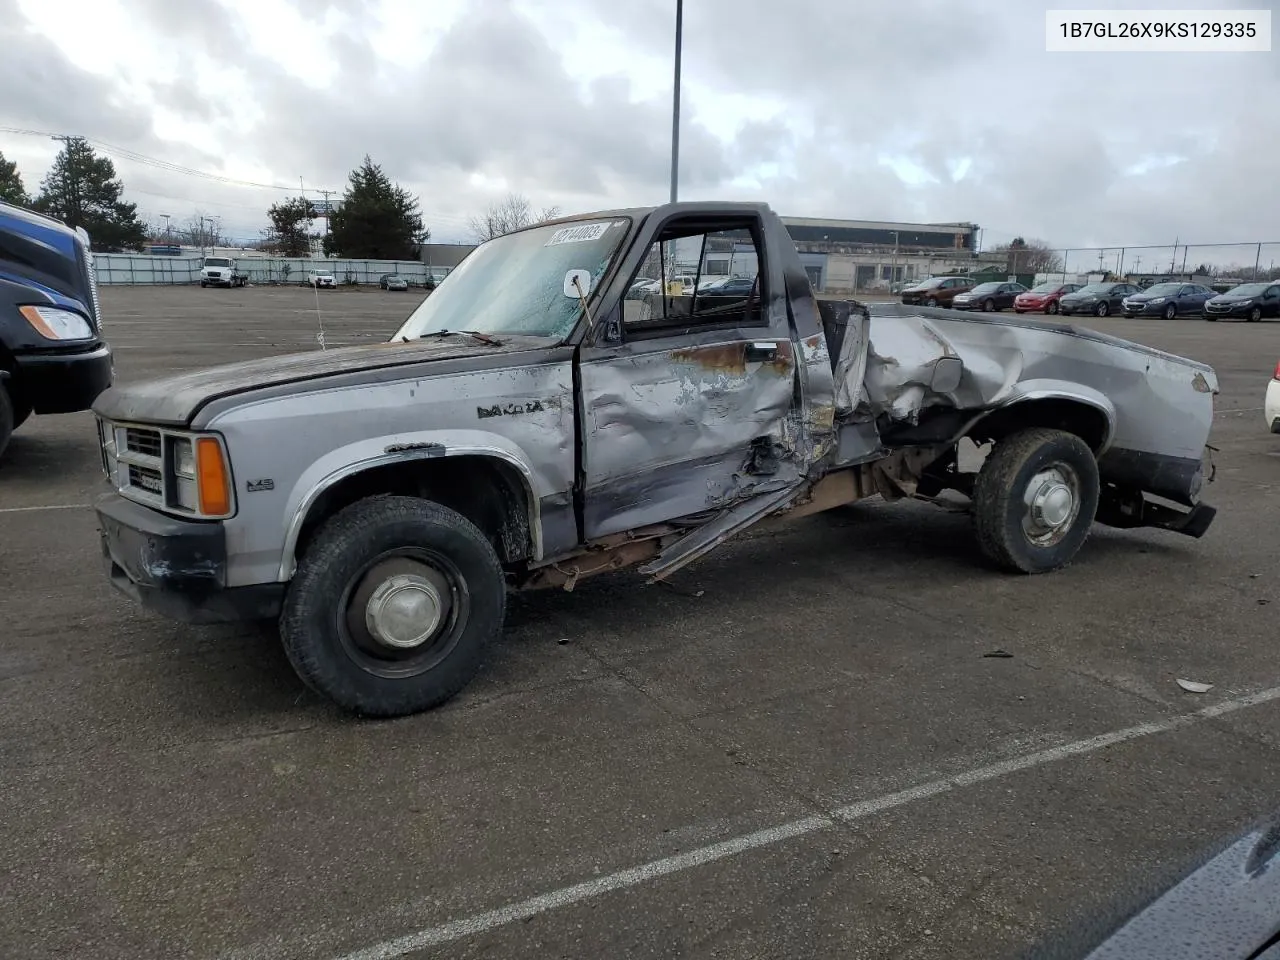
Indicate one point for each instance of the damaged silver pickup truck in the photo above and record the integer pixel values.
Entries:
(552, 412)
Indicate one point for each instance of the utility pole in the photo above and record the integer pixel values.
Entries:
(893, 272)
(202, 234)
(675, 106)
(167, 237)
(327, 209)
(1137, 261)
(1174, 259)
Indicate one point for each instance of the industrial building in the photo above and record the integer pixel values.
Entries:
(840, 256)
(847, 256)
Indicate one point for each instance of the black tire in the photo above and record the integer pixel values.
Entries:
(1255, 315)
(1052, 308)
(1103, 309)
(988, 306)
(21, 410)
(203, 284)
(931, 302)
(1210, 317)
(1171, 311)
(1004, 521)
(327, 640)
(6, 419)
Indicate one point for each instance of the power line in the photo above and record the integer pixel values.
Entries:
(169, 166)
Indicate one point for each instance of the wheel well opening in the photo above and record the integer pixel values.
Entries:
(1084, 420)
(488, 492)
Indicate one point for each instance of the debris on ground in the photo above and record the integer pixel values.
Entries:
(1193, 686)
(999, 655)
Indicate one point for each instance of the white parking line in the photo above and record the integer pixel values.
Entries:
(55, 506)
(633, 876)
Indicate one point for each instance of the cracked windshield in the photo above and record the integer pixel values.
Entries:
(522, 479)
(515, 284)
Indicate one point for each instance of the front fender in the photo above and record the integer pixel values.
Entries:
(354, 458)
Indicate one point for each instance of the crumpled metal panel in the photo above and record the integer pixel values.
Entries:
(1159, 403)
(672, 432)
(647, 410)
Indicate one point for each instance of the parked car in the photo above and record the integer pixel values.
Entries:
(393, 281)
(320, 278)
(1249, 301)
(730, 287)
(644, 287)
(1168, 300)
(380, 501)
(1043, 298)
(1271, 407)
(989, 296)
(1099, 299)
(937, 291)
(1227, 907)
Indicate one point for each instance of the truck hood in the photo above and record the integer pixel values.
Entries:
(175, 400)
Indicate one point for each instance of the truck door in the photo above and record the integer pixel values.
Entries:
(688, 401)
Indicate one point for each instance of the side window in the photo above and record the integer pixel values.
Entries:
(722, 268)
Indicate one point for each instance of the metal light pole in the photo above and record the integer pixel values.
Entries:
(675, 105)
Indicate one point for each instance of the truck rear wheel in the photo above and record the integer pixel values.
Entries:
(392, 606)
(1034, 500)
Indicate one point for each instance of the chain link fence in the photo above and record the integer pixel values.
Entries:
(142, 269)
(1220, 264)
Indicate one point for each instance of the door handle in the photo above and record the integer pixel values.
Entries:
(761, 352)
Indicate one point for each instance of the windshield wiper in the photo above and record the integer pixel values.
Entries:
(482, 337)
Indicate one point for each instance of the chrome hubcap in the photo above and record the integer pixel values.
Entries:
(404, 611)
(1052, 504)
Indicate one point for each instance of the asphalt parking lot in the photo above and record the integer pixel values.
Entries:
(797, 749)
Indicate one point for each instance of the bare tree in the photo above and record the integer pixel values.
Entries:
(1030, 256)
(200, 230)
(512, 213)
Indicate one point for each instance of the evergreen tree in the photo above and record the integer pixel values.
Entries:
(81, 190)
(11, 188)
(376, 219)
(290, 220)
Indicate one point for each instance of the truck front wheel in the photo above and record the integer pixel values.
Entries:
(392, 606)
(1034, 500)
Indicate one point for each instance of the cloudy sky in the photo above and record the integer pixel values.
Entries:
(931, 110)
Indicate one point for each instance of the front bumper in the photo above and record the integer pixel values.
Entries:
(176, 567)
(62, 382)
(1271, 407)
(1144, 309)
(1234, 310)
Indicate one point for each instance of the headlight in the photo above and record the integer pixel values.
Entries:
(1245, 303)
(1158, 300)
(55, 323)
(184, 459)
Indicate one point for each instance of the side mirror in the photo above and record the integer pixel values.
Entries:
(577, 283)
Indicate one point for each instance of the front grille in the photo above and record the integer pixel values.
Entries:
(147, 479)
(139, 440)
(91, 275)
